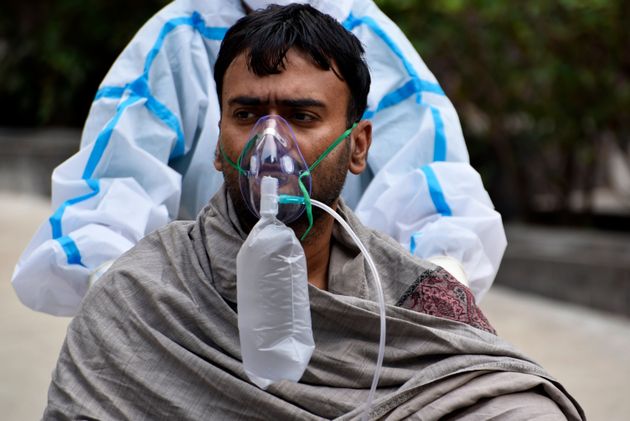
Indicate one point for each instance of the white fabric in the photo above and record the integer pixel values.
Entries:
(96, 274)
(452, 266)
(339, 9)
(148, 144)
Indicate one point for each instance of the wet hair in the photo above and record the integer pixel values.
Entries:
(268, 34)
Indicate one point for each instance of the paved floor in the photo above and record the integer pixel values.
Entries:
(588, 351)
(29, 341)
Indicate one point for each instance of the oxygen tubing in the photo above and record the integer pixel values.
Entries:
(381, 302)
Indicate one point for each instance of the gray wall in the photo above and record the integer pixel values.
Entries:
(28, 156)
(581, 266)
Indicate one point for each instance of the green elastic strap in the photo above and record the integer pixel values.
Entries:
(237, 165)
(332, 146)
(307, 198)
(307, 203)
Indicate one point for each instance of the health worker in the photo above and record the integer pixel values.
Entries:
(149, 141)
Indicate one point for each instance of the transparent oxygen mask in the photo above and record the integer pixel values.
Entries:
(273, 151)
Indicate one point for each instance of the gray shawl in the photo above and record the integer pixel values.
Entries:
(157, 338)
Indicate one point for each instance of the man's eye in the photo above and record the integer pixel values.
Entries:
(244, 115)
(302, 117)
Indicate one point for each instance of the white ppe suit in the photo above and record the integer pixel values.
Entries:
(148, 145)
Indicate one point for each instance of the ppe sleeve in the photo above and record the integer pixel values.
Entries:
(441, 210)
(124, 182)
(423, 192)
(99, 212)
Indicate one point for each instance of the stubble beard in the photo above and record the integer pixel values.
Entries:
(327, 186)
(246, 218)
(328, 183)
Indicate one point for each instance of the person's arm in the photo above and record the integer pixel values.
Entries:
(424, 192)
(154, 105)
(441, 210)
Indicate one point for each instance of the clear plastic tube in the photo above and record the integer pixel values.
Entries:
(381, 302)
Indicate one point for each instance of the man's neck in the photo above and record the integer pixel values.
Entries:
(316, 245)
(317, 253)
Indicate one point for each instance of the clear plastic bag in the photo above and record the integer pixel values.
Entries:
(274, 318)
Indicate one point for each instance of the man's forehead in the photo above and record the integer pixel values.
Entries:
(287, 102)
(293, 56)
(299, 80)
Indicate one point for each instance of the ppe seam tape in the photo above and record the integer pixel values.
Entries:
(415, 86)
(436, 192)
(139, 89)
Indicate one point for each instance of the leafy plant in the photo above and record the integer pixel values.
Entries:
(538, 85)
(53, 55)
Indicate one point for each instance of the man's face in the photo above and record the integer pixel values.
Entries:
(312, 100)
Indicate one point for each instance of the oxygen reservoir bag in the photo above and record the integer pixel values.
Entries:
(274, 318)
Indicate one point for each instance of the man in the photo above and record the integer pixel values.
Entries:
(148, 142)
(157, 338)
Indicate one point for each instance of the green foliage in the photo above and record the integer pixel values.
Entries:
(53, 55)
(537, 84)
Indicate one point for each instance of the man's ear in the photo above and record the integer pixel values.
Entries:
(218, 161)
(361, 139)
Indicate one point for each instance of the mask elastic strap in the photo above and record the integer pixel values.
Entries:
(307, 198)
(307, 203)
(237, 165)
(332, 146)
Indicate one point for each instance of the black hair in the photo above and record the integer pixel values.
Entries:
(268, 34)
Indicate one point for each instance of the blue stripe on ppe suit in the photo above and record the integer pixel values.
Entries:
(138, 89)
(415, 86)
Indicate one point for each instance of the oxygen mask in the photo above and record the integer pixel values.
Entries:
(273, 151)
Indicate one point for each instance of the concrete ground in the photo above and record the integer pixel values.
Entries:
(29, 341)
(588, 351)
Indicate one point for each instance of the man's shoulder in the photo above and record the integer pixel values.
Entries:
(396, 266)
(417, 284)
(370, 236)
(167, 247)
(156, 268)
(159, 242)
(383, 247)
